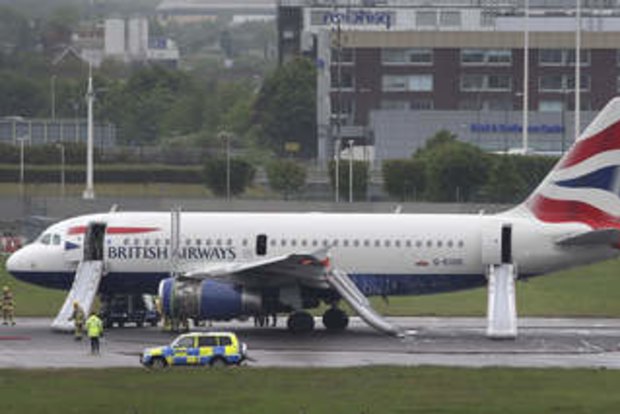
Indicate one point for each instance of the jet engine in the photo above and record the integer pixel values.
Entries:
(206, 300)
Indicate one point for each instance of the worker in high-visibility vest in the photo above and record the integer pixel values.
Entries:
(8, 306)
(94, 330)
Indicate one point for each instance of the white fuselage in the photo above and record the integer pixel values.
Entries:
(394, 245)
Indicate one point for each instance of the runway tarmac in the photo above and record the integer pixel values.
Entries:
(542, 342)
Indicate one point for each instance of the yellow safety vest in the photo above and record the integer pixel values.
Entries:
(94, 326)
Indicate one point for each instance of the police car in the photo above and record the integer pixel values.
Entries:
(197, 348)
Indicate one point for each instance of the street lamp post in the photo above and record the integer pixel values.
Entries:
(350, 171)
(21, 160)
(89, 191)
(61, 147)
(53, 96)
(226, 137)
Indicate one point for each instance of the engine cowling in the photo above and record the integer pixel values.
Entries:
(206, 300)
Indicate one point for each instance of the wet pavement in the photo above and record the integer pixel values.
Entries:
(542, 342)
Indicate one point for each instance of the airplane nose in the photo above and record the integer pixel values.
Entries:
(15, 262)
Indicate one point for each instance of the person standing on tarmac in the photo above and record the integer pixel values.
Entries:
(8, 306)
(78, 317)
(94, 330)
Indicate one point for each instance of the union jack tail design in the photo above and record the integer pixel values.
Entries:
(584, 187)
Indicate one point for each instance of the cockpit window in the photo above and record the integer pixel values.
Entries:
(56, 239)
(46, 238)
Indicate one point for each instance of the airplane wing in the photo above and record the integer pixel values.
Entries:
(592, 238)
(307, 269)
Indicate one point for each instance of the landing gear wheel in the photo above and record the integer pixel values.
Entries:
(335, 319)
(300, 322)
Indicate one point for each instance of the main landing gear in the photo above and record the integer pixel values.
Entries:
(334, 320)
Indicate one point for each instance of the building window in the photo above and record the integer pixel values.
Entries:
(486, 56)
(395, 104)
(498, 82)
(422, 104)
(346, 80)
(562, 57)
(426, 18)
(473, 82)
(394, 83)
(450, 18)
(562, 83)
(411, 83)
(421, 83)
(548, 105)
(415, 56)
(346, 55)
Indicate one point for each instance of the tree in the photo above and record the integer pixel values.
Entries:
(455, 170)
(505, 184)
(285, 109)
(360, 179)
(404, 179)
(241, 175)
(286, 176)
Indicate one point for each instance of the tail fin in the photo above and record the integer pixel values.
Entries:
(584, 186)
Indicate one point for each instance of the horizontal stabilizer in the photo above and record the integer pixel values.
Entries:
(594, 237)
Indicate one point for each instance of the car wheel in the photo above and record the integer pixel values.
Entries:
(159, 363)
(218, 363)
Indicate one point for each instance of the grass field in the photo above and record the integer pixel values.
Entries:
(351, 390)
(585, 291)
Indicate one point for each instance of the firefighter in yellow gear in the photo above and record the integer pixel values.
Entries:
(94, 330)
(8, 306)
(78, 317)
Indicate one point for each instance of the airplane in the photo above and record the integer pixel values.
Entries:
(221, 266)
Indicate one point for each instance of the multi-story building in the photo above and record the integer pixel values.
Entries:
(393, 72)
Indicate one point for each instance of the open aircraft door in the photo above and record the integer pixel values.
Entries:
(496, 242)
(85, 244)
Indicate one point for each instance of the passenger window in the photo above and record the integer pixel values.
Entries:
(293, 242)
(461, 243)
(188, 242)
(449, 243)
(185, 343)
(345, 243)
(225, 341)
(207, 341)
(56, 239)
(325, 243)
(283, 242)
(304, 243)
(198, 242)
(439, 243)
(125, 242)
(218, 242)
(157, 242)
(272, 242)
(408, 243)
(397, 243)
(46, 238)
(429, 244)
(136, 241)
(244, 242)
(386, 243)
(315, 243)
(147, 242)
(229, 242)
(208, 242)
(418, 243)
(366, 243)
(356, 243)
